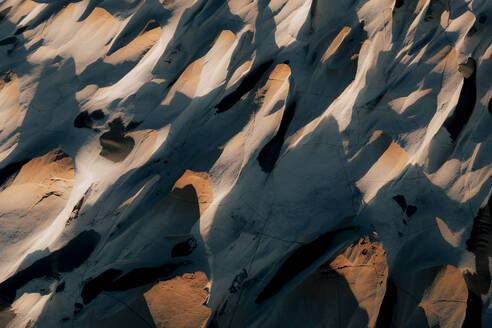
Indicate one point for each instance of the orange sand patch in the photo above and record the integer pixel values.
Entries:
(203, 187)
(178, 302)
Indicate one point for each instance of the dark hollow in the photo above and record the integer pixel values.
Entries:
(184, 248)
(297, 262)
(385, 315)
(244, 87)
(9, 40)
(94, 287)
(133, 125)
(97, 114)
(69, 257)
(271, 151)
(411, 209)
(466, 102)
(400, 200)
(10, 171)
(83, 120)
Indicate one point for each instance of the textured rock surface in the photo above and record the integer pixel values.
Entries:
(311, 163)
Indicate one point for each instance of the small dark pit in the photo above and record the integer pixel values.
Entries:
(9, 40)
(482, 18)
(21, 30)
(97, 115)
(185, 248)
(83, 120)
(60, 288)
(133, 125)
(400, 200)
(411, 209)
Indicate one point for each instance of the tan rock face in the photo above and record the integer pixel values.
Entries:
(201, 183)
(178, 302)
(344, 292)
(32, 198)
(431, 297)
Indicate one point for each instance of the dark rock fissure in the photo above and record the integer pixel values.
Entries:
(66, 259)
(271, 151)
(98, 114)
(480, 244)
(298, 261)
(4, 13)
(184, 248)
(133, 125)
(385, 315)
(109, 281)
(9, 172)
(400, 200)
(9, 40)
(83, 120)
(466, 102)
(244, 87)
(411, 209)
(115, 145)
(95, 286)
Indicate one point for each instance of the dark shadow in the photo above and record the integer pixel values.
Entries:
(466, 103)
(133, 125)
(268, 156)
(180, 207)
(4, 13)
(83, 120)
(98, 114)
(150, 11)
(66, 259)
(298, 261)
(246, 85)
(115, 145)
(9, 172)
(94, 287)
(184, 248)
(109, 281)
(6, 315)
(105, 74)
(480, 244)
(387, 308)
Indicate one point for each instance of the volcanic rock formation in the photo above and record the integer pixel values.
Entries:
(245, 163)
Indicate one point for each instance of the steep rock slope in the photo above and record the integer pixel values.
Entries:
(310, 163)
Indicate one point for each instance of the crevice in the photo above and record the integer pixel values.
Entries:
(83, 120)
(298, 261)
(98, 114)
(387, 309)
(115, 145)
(94, 287)
(8, 173)
(184, 248)
(109, 281)
(4, 13)
(66, 259)
(466, 102)
(478, 283)
(271, 151)
(9, 40)
(246, 85)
